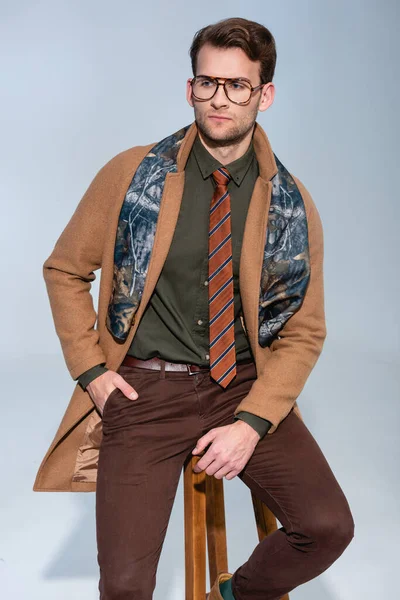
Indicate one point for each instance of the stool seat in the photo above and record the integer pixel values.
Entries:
(204, 523)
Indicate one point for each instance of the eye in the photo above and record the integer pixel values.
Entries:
(236, 85)
(204, 82)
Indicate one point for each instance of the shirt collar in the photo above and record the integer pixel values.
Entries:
(208, 164)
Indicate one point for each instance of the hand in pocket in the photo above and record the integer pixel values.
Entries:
(101, 388)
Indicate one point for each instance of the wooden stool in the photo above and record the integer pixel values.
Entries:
(204, 513)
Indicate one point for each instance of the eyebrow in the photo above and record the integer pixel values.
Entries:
(214, 77)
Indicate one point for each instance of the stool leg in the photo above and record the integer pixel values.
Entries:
(216, 528)
(194, 485)
(266, 522)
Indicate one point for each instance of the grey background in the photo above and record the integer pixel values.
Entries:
(81, 81)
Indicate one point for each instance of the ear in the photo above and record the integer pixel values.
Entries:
(189, 92)
(267, 96)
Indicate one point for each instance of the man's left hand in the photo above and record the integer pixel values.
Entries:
(230, 450)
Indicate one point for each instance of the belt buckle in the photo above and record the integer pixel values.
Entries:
(190, 370)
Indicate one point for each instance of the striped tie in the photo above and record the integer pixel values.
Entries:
(220, 283)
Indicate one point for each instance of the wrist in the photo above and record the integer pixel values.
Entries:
(251, 432)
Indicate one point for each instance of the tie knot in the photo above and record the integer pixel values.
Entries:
(221, 176)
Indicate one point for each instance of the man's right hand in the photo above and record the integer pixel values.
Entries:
(102, 386)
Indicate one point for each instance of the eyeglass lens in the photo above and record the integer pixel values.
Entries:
(237, 91)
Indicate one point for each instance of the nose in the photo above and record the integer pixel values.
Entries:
(219, 98)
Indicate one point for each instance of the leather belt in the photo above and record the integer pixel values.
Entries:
(157, 363)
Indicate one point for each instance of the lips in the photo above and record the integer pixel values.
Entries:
(219, 117)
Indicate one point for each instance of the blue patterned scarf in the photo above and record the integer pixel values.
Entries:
(286, 265)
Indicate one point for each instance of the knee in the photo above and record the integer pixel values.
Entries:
(334, 532)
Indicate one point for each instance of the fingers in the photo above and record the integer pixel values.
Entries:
(204, 441)
(126, 388)
(99, 389)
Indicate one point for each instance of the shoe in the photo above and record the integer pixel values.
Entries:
(215, 593)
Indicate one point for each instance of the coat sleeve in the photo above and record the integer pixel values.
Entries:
(69, 272)
(290, 358)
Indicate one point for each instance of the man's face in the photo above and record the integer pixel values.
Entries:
(238, 119)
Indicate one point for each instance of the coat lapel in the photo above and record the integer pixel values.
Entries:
(254, 236)
(166, 223)
(251, 258)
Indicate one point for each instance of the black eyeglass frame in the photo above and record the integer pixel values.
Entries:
(223, 83)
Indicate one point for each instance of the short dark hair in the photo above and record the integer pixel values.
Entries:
(253, 38)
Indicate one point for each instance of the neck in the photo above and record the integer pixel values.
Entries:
(227, 153)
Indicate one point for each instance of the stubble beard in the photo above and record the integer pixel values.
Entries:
(227, 136)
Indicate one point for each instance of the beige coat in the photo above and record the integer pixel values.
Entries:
(87, 243)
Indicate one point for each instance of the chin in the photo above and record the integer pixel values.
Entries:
(214, 133)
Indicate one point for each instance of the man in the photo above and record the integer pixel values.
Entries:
(210, 319)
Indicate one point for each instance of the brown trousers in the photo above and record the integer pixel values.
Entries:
(144, 446)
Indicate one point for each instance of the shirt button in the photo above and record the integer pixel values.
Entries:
(199, 322)
(207, 357)
(206, 282)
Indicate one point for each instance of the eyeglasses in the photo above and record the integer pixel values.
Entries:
(237, 90)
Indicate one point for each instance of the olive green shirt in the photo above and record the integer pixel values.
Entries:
(174, 325)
